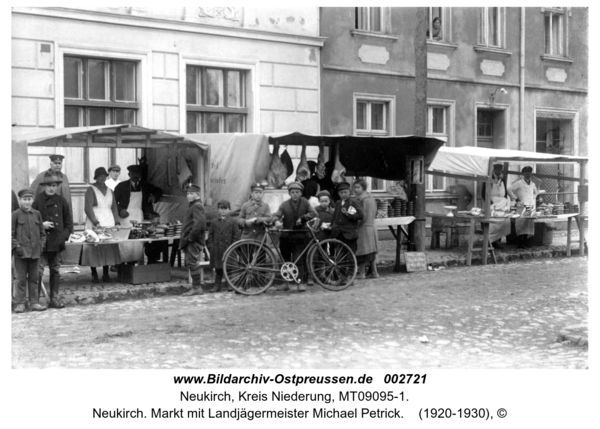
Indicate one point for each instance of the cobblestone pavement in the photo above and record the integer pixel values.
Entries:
(527, 315)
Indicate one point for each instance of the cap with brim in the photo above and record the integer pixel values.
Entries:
(49, 179)
(498, 166)
(57, 157)
(527, 170)
(224, 204)
(100, 171)
(192, 188)
(257, 187)
(324, 194)
(296, 185)
(27, 192)
(343, 185)
(134, 168)
(114, 167)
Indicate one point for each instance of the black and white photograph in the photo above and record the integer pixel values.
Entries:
(259, 191)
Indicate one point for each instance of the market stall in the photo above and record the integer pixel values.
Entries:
(476, 164)
(170, 162)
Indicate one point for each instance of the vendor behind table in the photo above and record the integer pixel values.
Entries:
(500, 203)
(525, 192)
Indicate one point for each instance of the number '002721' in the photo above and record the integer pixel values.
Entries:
(404, 378)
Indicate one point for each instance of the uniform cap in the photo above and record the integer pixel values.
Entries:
(498, 166)
(224, 204)
(296, 185)
(257, 187)
(56, 157)
(192, 188)
(27, 192)
(527, 169)
(343, 185)
(134, 168)
(323, 194)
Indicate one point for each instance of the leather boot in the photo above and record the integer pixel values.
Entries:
(218, 280)
(105, 277)
(196, 286)
(94, 275)
(55, 301)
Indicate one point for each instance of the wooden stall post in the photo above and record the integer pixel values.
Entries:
(582, 210)
(487, 211)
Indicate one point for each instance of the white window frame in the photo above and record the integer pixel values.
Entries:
(389, 102)
(446, 25)
(384, 18)
(485, 25)
(563, 14)
(252, 87)
(449, 107)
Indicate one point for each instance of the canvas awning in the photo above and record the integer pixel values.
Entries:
(379, 157)
(475, 161)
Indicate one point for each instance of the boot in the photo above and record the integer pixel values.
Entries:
(301, 287)
(196, 286)
(55, 301)
(94, 275)
(218, 280)
(105, 277)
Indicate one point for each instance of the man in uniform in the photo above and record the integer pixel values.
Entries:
(525, 191)
(193, 237)
(113, 179)
(56, 163)
(254, 214)
(134, 203)
(58, 223)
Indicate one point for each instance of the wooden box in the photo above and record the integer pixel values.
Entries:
(138, 274)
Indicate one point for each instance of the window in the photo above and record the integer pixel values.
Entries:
(491, 25)
(374, 117)
(99, 92)
(437, 127)
(215, 100)
(369, 19)
(554, 28)
(435, 21)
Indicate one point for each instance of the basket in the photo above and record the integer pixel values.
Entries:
(121, 233)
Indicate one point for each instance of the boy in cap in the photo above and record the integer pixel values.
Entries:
(58, 223)
(113, 180)
(254, 214)
(222, 233)
(28, 240)
(293, 214)
(192, 237)
(56, 164)
(325, 214)
(346, 217)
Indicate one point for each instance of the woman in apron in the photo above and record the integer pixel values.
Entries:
(101, 211)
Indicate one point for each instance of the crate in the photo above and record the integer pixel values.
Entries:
(138, 274)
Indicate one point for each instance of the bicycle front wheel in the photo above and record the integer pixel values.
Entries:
(332, 264)
(249, 267)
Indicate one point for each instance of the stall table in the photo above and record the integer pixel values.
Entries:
(400, 223)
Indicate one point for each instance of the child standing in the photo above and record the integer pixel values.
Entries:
(223, 232)
(28, 240)
(325, 213)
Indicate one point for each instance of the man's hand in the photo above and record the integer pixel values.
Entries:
(299, 222)
(151, 199)
(48, 225)
(278, 224)
(123, 213)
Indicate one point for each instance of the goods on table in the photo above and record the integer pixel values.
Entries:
(277, 170)
(91, 236)
(303, 170)
(76, 238)
(382, 209)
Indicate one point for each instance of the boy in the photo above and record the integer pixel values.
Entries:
(192, 237)
(254, 214)
(348, 212)
(295, 212)
(223, 232)
(325, 214)
(28, 240)
(58, 223)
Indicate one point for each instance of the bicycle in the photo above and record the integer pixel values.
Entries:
(251, 266)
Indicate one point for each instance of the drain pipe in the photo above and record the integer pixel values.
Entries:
(522, 83)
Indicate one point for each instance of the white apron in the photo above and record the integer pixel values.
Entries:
(499, 202)
(104, 254)
(132, 252)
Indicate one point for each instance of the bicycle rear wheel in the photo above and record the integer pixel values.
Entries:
(249, 268)
(332, 264)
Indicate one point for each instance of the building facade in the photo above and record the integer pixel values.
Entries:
(187, 70)
(498, 77)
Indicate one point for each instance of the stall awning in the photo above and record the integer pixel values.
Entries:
(379, 157)
(468, 160)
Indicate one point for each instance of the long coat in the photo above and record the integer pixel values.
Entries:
(54, 208)
(367, 234)
(194, 225)
(222, 233)
(63, 188)
(344, 223)
(28, 234)
(122, 194)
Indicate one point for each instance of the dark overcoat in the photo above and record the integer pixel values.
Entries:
(55, 208)
(28, 234)
(345, 223)
(194, 225)
(222, 233)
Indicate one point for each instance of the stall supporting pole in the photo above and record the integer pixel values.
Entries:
(582, 211)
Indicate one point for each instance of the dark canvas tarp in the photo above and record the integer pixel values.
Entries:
(379, 157)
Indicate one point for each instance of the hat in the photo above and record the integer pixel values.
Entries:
(50, 178)
(134, 168)
(257, 187)
(527, 169)
(27, 192)
(56, 157)
(99, 172)
(192, 188)
(498, 166)
(296, 185)
(343, 185)
(114, 167)
(224, 204)
(323, 194)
